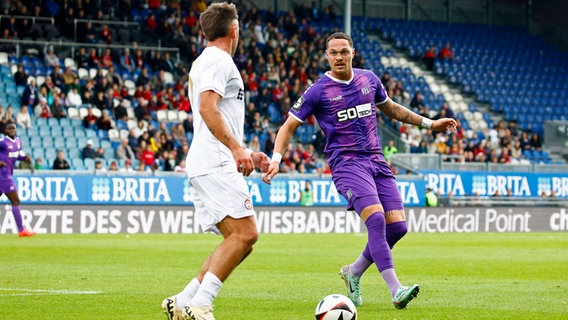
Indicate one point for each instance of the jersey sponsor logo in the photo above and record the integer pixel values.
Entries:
(14, 154)
(298, 104)
(360, 111)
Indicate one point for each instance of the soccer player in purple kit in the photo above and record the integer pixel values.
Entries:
(10, 152)
(343, 102)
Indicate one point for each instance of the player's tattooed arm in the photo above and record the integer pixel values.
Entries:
(400, 113)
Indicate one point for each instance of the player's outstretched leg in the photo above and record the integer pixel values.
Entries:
(352, 283)
(404, 295)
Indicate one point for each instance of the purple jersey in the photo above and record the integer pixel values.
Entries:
(345, 111)
(10, 152)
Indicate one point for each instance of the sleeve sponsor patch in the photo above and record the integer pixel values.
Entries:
(296, 107)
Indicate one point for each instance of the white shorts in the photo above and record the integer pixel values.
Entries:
(219, 195)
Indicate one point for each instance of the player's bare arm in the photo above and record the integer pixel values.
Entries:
(2, 164)
(282, 140)
(400, 113)
(214, 120)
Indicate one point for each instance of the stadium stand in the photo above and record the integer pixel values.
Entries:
(280, 54)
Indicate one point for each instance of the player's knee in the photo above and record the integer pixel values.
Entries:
(395, 232)
(249, 237)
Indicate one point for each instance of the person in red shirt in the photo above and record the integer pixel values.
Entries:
(429, 58)
(446, 52)
(148, 157)
(106, 34)
(183, 104)
(106, 59)
(151, 22)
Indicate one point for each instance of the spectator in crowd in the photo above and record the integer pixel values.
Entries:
(58, 109)
(126, 61)
(106, 59)
(127, 166)
(69, 78)
(417, 102)
(99, 167)
(535, 142)
(42, 110)
(50, 58)
(105, 121)
(23, 118)
(73, 98)
(60, 163)
(123, 151)
(106, 34)
(21, 77)
(39, 165)
(94, 59)
(446, 53)
(429, 57)
(90, 120)
(82, 59)
(30, 96)
(113, 166)
(88, 151)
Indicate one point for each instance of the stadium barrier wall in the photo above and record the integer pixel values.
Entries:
(176, 191)
(129, 219)
(284, 191)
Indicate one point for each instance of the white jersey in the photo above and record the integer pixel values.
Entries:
(215, 70)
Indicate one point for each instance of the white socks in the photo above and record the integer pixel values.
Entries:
(207, 291)
(187, 293)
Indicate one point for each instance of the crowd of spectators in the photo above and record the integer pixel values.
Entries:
(278, 55)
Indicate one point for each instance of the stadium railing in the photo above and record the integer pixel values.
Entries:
(32, 19)
(125, 24)
(75, 45)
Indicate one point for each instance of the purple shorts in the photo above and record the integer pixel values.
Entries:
(7, 186)
(356, 178)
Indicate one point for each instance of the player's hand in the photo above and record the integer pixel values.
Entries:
(271, 172)
(243, 161)
(2, 164)
(260, 160)
(445, 124)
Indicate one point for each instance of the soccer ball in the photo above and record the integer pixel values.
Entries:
(336, 307)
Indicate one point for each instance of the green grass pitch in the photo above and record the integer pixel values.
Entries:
(462, 276)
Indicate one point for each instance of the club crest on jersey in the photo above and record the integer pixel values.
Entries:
(298, 104)
(247, 204)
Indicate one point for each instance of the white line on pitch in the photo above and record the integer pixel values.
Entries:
(33, 292)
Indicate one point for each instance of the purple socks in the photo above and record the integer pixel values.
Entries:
(395, 232)
(18, 217)
(377, 244)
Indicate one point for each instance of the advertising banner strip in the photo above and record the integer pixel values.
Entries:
(108, 219)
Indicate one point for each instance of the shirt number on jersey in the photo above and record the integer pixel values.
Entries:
(360, 111)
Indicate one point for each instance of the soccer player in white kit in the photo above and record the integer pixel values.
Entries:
(217, 163)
